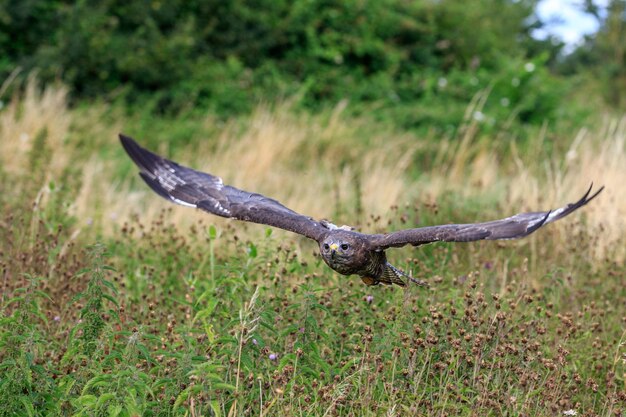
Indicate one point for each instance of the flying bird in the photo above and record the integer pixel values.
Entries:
(343, 249)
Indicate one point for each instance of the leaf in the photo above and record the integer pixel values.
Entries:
(181, 397)
(145, 353)
(224, 385)
(114, 410)
(66, 384)
(13, 300)
(109, 285)
(320, 307)
(286, 360)
(43, 294)
(87, 400)
(215, 407)
(246, 362)
(77, 297)
(104, 398)
(252, 251)
(111, 299)
(82, 272)
(310, 372)
(95, 381)
(207, 310)
(212, 232)
(28, 405)
(292, 328)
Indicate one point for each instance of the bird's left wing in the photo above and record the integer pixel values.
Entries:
(513, 227)
(193, 188)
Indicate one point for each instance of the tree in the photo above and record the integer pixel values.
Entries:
(603, 54)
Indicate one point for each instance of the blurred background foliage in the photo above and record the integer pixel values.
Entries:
(415, 64)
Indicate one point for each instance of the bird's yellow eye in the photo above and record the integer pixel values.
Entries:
(344, 246)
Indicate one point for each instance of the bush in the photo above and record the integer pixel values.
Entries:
(386, 55)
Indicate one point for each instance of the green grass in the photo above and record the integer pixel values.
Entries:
(175, 313)
(260, 330)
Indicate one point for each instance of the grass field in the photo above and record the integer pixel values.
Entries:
(114, 302)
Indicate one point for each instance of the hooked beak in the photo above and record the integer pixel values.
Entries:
(333, 249)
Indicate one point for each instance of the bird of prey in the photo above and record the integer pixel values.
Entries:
(343, 249)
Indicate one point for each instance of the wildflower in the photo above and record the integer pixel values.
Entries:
(529, 67)
(570, 412)
(255, 342)
(369, 299)
(273, 356)
(479, 116)
(504, 102)
(133, 338)
(442, 82)
(57, 318)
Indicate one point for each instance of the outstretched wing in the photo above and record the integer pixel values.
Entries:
(513, 227)
(193, 188)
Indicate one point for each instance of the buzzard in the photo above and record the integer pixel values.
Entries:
(343, 249)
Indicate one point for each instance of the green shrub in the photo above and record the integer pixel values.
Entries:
(387, 57)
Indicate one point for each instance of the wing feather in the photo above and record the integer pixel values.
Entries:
(207, 192)
(513, 227)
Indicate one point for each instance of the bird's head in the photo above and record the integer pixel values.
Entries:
(340, 250)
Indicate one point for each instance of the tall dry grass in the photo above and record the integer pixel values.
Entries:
(275, 155)
(541, 181)
(29, 114)
(326, 166)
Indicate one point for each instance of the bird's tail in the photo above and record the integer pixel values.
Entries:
(393, 275)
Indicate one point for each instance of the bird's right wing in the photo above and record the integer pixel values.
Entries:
(193, 188)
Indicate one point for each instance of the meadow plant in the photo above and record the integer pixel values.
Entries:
(192, 315)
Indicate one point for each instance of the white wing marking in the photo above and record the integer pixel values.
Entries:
(182, 203)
